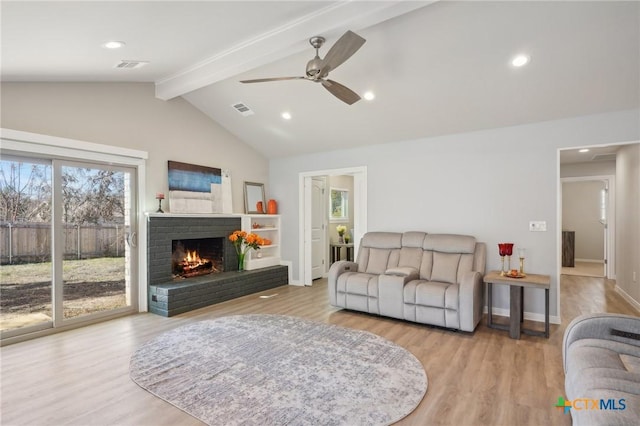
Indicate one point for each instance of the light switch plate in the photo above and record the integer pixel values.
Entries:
(538, 225)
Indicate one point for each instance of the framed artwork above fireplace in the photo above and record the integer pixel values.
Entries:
(198, 189)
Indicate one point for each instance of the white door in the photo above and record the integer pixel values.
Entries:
(318, 227)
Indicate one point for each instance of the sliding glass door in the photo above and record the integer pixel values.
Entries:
(67, 243)
(94, 219)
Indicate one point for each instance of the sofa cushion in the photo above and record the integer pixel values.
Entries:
(358, 283)
(379, 261)
(379, 251)
(413, 239)
(445, 267)
(449, 243)
(410, 257)
(388, 240)
(431, 293)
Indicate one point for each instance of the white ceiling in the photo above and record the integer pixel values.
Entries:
(436, 67)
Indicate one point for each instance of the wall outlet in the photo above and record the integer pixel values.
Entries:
(634, 276)
(538, 225)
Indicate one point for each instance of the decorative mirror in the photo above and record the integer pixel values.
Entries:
(254, 201)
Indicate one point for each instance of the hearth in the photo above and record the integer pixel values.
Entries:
(199, 256)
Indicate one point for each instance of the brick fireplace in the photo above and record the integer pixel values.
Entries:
(170, 294)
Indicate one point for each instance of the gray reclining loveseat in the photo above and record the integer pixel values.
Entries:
(601, 355)
(426, 278)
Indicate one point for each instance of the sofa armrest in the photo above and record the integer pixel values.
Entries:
(470, 300)
(337, 269)
(604, 326)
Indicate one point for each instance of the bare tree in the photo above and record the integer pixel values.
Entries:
(88, 195)
(25, 192)
(92, 196)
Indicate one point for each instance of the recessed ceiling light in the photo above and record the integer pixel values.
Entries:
(520, 60)
(369, 96)
(113, 44)
(286, 115)
(584, 150)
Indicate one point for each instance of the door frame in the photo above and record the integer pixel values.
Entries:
(325, 219)
(609, 234)
(304, 213)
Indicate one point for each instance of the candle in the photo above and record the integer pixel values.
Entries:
(159, 196)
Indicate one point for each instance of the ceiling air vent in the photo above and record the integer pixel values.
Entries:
(604, 157)
(242, 109)
(130, 65)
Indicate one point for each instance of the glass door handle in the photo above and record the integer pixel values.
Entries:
(132, 239)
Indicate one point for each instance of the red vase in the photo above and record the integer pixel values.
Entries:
(272, 207)
(259, 207)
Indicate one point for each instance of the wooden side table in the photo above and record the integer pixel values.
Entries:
(516, 302)
(336, 251)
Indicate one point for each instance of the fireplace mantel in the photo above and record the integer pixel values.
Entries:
(195, 215)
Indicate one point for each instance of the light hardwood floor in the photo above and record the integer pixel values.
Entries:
(81, 377)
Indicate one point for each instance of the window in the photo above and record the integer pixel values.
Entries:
(603, 206)
(339, 205)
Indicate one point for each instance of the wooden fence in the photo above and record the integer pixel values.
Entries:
(30, 242)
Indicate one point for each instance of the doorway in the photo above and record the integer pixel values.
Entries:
(311, 247)
(588, 221)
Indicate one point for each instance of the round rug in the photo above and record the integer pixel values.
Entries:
(276, 370)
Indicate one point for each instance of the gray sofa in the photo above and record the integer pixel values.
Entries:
(426, 278)
(601, 356)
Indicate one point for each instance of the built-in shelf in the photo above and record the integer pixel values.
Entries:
(267, 226)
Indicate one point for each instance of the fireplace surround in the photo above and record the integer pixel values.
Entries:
(162, 231)
(169, 295)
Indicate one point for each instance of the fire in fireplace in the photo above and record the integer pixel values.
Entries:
(195, 257)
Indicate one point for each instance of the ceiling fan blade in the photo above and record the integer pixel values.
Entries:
(262, 80)
(342, 50)
(341, 92)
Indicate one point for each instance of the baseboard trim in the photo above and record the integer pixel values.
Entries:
(627, 297)
(531, 316)
(590, 260)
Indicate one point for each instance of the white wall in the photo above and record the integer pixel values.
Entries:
(581, 214)
(129, 115)
(628, 220)
(489, 184)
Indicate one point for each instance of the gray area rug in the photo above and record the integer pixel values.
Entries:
(280, 370)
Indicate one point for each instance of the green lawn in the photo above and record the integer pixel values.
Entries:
(74, 271)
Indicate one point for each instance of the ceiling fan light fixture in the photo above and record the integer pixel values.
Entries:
(286, 115)
(369, 95)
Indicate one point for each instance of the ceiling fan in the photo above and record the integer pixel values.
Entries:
(318, 69)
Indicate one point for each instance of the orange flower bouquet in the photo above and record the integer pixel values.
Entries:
(244, 242)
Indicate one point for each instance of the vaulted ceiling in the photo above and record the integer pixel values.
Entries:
(435, 67)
